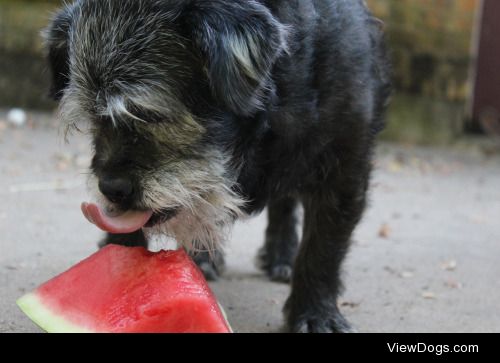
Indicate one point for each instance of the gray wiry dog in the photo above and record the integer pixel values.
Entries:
(203, 110)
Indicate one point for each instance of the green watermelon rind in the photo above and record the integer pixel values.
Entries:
(42, 316)
(50, 322)
(224, 315)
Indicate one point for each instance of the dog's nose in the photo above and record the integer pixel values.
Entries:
(117, 190)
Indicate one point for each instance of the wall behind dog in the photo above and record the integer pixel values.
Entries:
(23, 74)
(430, 42)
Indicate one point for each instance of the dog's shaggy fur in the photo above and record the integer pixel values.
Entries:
(204, 110)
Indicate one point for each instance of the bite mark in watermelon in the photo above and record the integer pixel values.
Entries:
(127, 289)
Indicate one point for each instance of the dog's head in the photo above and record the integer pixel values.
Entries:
(163, 86)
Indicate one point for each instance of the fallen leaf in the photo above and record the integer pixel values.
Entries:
(428, 295)
(453, 284)
(62, 165)
(450, 265)
(384, 231)
(350, 304)
(395, 166)
(406, 274)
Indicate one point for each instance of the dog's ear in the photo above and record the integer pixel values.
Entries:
(56, 37)
(240, 42)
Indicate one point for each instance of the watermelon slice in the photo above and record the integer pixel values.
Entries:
(127, 289)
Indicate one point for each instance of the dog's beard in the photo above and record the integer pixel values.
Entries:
(204, 227)
(201, 191)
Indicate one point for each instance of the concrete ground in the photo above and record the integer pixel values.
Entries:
(425, 257)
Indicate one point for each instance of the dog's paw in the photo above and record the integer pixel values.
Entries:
(320, 317)
(315, 323)
(211, 266)
(276, 270)
(280, 273)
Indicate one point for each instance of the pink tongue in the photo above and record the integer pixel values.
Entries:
(127, 222)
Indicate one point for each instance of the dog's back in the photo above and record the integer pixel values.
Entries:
(332, 88)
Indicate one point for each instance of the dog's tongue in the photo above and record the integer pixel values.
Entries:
(127, 222)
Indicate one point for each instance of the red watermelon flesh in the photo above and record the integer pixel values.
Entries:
(127, 289)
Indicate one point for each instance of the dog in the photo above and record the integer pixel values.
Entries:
(203, 111)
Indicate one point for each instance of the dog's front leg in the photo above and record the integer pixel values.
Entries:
(330, 217)
(277, 255)
(212, 263)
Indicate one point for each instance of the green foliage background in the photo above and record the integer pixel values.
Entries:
(430, 42)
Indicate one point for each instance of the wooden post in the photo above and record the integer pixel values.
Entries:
(486, 94)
